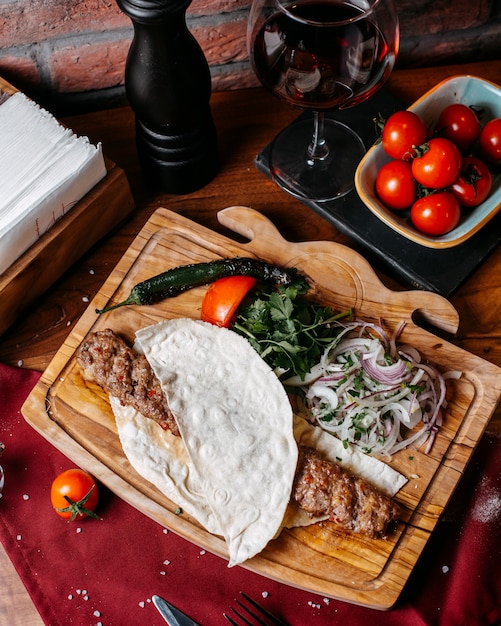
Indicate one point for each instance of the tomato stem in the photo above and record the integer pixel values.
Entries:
(379, 123)
(78, 508)
(421, 150)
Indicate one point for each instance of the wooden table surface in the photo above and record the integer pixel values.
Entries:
(246, 121)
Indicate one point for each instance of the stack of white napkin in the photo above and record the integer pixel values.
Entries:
(45, 169)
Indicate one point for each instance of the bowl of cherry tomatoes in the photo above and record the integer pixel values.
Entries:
(435, 174)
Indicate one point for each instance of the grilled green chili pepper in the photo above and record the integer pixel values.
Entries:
(179, 279)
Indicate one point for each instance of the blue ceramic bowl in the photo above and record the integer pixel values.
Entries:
(468, 90)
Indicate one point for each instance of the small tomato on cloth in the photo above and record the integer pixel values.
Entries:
(474, 183)
(74, 495)
(223, 297)
(395, 185)
(438, 164)
(436, 214)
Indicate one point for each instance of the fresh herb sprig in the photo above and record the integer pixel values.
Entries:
(288, 331)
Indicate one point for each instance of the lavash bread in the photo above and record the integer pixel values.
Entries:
(161, 458)
(236, 422)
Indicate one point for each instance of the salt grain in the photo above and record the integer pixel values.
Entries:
(20, 363)
(163, 573)
(445, 569)
(85, 299)
(26, 496)
(70, 596)
(165, 531)
(79, 530)
(313, 605)
(97, 614)
(326, 601)
(19, 537)
(202, 552)
(141, 604)
(166, 562)
(265, 594)
(86, 598)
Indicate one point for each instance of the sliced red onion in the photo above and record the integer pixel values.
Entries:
(325, 393)
(372, 398)
(296, 381)
(386, 374)
(409, 354)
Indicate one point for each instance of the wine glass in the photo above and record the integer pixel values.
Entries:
(321, 55)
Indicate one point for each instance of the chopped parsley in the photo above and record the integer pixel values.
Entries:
(286, 329)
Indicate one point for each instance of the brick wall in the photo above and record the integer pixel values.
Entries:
(70, 55)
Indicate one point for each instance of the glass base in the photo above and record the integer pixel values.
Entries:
(318, 179)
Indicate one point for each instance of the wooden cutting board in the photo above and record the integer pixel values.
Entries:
(76, 418)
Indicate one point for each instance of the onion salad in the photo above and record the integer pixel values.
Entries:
(372, 393)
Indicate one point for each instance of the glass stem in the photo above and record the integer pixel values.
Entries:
(318, 148)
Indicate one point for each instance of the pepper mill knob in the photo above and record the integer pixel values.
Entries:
(168, 86)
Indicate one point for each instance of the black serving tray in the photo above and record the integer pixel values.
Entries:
(439, 270)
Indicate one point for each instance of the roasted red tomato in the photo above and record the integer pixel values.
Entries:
(439, 164)
(403, 131)
(436, 214)
(223, 297)
(490, 141)
(395, 185)
(460, 124)
(474, 183)
(74, 495)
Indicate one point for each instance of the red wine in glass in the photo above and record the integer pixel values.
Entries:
(321, 55)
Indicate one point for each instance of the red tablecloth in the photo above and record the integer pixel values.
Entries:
(93, 572)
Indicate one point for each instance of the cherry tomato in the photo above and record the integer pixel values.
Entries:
(490, 141)
(395, 185)
(436, 214)
(403, 131)
(460, 124)
(74, 495)
(474, 183)
(439, 165)
(223, 297)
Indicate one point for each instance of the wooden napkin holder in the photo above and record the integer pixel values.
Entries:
(94, 216)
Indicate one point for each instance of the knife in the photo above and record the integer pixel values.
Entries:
(173, 616)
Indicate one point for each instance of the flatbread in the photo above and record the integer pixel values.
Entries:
(236, 422)
(161, 458)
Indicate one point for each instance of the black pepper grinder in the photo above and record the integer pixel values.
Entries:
(168, 85)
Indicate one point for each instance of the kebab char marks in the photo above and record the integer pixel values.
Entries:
(233, 467)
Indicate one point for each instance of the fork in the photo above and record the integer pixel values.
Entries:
(259, 615)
